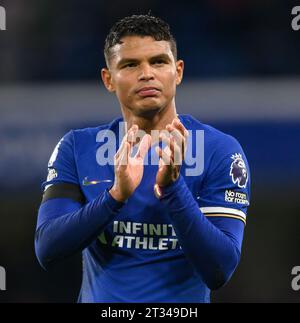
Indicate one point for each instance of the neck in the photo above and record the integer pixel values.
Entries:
(157, 121)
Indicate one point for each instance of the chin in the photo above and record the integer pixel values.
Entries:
(148, 109)
(148, 112)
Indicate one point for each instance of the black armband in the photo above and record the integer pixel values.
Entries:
(64, 190)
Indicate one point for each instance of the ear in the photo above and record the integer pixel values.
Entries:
(179, 71)
(107, 79)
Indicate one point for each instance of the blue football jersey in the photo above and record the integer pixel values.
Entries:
(137, 257)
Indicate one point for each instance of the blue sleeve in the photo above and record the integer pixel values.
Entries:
(64, 225)
(225, 191)
(67, 228)
(210, 230)
(213, 253)
(62, 165)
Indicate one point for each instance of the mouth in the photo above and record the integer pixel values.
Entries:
(148, 91)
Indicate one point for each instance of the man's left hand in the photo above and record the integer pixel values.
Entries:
(172, 156)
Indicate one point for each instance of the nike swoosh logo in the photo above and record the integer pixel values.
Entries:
(87, 182)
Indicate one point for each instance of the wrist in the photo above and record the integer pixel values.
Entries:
(161, 191)
(117, 195)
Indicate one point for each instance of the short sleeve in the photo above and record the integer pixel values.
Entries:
(61, 165)
(225, 191)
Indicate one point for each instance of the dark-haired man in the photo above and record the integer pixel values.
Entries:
(148, 231)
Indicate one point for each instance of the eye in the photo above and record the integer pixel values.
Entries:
(159, 62)
(129, 65)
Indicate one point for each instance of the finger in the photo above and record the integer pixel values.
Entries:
(178, 125)
(180, 139)
(160, 161)
(132, 135)
(129, 137)
(143, 147)
(121, 148)
(184, 132)
(166, 138)
(125, 155)
(175, 150)
(132, 128)
(164, 158)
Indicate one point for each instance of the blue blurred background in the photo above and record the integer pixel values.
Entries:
(242, 75)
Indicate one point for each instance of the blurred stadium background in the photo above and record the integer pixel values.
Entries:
(242, 75)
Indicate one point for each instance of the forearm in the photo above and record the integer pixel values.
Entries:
(213, 254)
(64, 235)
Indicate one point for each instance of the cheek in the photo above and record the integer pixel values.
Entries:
(122, 86)
(169, 80)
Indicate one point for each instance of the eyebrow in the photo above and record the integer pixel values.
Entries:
(124, 61)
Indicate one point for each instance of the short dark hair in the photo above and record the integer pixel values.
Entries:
(139, 25)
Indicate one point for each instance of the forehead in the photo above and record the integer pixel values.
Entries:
(138, 47)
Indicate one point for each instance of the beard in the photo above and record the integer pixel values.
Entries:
(147, 108)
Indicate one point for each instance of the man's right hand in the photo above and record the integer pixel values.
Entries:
(129, 170)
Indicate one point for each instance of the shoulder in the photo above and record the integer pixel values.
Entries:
(82, 134)
(83, 137)
(219, 151)
(77, 141)
(216, 141)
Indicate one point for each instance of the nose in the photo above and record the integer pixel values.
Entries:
(146, 73)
